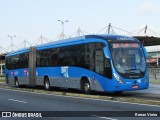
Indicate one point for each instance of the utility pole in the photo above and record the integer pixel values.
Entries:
(109, 28)
(145, 30)
(62, 22)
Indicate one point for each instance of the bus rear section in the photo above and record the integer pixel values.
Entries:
(20, 67)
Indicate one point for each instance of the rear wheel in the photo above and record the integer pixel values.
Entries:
(7, 80)
(86, 87)
(17, 82)
(47, 83)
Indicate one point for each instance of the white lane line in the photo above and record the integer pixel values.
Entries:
(107, 118)
(17, 100)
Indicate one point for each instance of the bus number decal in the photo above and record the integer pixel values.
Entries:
(64, 71)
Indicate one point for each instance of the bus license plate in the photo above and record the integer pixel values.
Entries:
(135, 86)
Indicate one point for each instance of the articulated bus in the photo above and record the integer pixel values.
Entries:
(106, 63)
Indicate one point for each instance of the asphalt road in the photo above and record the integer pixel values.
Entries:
(11, 100)
(152, 93)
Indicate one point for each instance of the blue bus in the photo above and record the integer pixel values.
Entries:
(108, 63)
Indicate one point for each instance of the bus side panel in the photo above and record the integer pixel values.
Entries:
(10, 77)
(21, 74)
(53, 73)
(69, 77)
(76, 73)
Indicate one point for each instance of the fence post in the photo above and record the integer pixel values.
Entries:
(155, 74)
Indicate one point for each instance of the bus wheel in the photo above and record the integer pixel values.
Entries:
(7, 80)
(47, 84)
(86, 87)
(17, 82)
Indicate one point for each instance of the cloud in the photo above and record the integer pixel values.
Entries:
(149, 7)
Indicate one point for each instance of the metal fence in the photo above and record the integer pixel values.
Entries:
(154, 73)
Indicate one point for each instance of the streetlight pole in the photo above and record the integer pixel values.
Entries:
(62, 22)
(11, 40)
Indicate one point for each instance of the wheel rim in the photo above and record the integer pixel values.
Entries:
(17, 84)
(47, 84)
(86, 87)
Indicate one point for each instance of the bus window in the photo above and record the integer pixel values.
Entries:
(99, 62)
(42, 58)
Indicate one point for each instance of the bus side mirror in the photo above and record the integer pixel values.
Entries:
(145, 52)
(106, 52)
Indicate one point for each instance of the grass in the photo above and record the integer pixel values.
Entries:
(2, 79)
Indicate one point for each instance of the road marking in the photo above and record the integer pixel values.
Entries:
(85, 98)
(107, 118)
(17, 100)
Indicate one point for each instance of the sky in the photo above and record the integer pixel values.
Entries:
(28, 19)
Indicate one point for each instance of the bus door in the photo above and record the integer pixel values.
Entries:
(99, 68)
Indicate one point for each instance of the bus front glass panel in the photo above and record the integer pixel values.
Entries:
(128, 59)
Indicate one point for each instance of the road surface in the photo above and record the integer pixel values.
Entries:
(12, 100)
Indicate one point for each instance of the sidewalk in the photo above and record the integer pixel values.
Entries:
(154, 89)
(156, 86)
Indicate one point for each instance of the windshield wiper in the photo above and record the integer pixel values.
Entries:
(132, 71)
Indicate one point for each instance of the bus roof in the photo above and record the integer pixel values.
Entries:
(18, 52)
(77, 40)
(85, 39)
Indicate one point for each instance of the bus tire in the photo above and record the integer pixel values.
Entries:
(86, 87)
(7, 80)
(17, 82)
(47, 84)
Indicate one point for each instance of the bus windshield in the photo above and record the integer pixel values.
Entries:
(128, 58)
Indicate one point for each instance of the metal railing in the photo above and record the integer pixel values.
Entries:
(154, 73)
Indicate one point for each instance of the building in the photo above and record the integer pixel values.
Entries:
(152, 44)
(154, 56)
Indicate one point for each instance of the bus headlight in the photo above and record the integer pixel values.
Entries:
(118, 79)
